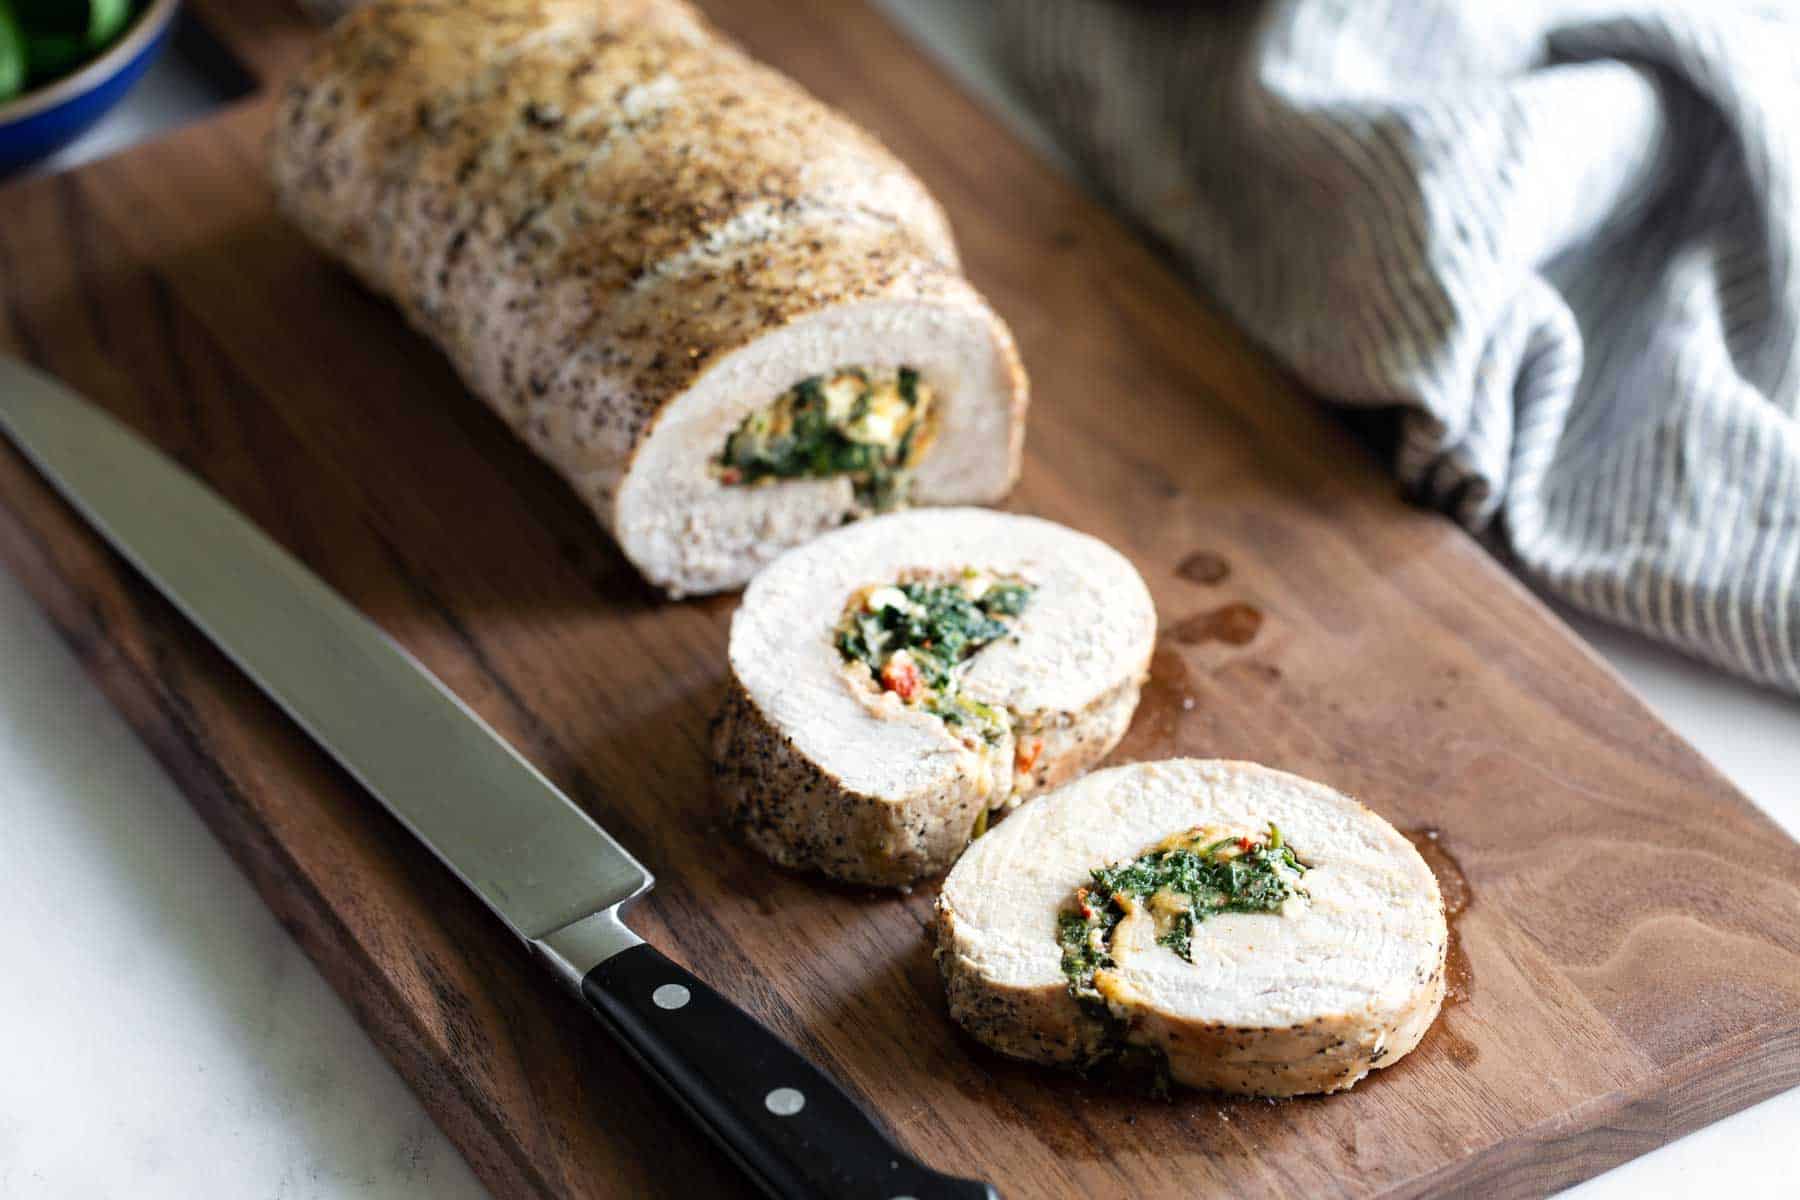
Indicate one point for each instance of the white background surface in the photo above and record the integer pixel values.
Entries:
(165, 1038)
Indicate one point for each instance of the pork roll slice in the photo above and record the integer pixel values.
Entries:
(1263, 934)
(725, 314)
(899, 683)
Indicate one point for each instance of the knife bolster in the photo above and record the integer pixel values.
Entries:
(578, 947)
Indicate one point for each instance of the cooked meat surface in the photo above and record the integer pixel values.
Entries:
(1259, 932)
(632, 240)
(900, 682)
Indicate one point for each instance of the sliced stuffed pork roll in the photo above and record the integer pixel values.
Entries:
(1262, 933)
(725, 314)
(897, 683)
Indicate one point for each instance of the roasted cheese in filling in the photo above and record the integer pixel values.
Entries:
(870, 427)
(1256, 932)
(899, 681)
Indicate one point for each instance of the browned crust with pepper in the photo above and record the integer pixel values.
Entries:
(1048, 1025)
(792, 810)
(587, 204)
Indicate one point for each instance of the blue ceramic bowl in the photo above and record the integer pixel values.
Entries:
(42, 120)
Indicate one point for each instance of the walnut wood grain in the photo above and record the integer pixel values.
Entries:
(1632, 938)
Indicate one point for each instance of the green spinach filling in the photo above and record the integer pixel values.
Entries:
(914, 636)
(870, 426)
(1187, 879)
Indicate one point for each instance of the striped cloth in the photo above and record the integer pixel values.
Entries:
(1560, 235)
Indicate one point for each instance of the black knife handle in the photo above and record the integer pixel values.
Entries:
(795, 1131)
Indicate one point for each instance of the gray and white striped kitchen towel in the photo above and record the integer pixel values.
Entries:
(1560, 234)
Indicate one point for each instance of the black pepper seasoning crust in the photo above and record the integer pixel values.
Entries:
(586, 204)
(785, 805)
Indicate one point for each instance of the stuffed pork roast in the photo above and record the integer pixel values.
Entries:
(725, 314)
(1262, 933)
(898, 682)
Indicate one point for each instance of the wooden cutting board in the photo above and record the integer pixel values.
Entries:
(1631, 947)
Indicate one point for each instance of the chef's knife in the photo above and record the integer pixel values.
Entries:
(541, 864)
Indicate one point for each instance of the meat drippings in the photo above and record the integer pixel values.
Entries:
(1204, 567)
(1232, 624)
(1453, 886)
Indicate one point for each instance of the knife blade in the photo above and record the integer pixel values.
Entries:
(546, 869)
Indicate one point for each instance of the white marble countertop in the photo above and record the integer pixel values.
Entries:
(167, 1039)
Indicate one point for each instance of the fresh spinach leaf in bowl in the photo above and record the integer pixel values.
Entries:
(43, 40)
